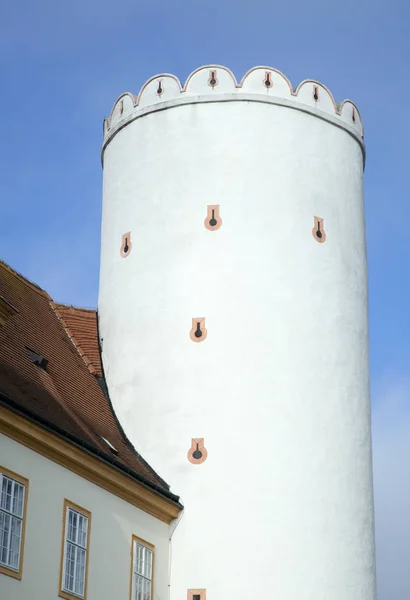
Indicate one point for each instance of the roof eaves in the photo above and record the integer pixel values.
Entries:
(87, 447)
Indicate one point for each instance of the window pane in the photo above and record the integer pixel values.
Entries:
(18, 497)
(140, 564)
(6, 493)
(14, 555)
(4, 537)
(146, 562)
(72, 526)
(3, 492)
(138, 588)
(135, 590)
(82, 530)
(69, 567)
(149, 564)
(138, 561)
(80, 572)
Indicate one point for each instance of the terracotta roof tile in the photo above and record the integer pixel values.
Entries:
(81, 326)
(66, 393)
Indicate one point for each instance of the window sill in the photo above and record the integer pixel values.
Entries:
(10, 572)
(70, 595)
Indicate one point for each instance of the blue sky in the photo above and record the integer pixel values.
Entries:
(64, 63)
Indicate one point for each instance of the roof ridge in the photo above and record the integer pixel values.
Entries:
(89, 364)
(79, 308)
(84, 360)
(25, 280)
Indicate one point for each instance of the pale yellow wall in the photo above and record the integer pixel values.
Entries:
(113, 523)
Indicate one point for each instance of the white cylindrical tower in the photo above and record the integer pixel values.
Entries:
(233, 318)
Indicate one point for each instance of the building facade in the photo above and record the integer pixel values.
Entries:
(82, 515)
(234, 330)
(76, 539)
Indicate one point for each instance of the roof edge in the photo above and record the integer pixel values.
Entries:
(72, 306)
(107, 395)
(25, 280)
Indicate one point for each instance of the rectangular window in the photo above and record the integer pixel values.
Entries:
(196, 594)
(76, 538)
(142, 569)
(13, 501)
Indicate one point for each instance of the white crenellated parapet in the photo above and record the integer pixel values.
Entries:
(214, 83)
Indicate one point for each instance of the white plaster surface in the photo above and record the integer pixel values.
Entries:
(282, 508)
(113, 521)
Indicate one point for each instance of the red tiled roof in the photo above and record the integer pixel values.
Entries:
(81, 326)
(66, 393)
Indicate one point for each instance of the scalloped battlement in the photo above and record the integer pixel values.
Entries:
(217, 83)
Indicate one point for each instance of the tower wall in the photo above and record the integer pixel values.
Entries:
(280, 502)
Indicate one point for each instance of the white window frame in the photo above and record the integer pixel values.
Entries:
(15, 516)
(76, 542)
(142, 569)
